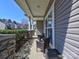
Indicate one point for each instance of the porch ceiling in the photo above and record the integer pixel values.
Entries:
(35, 8)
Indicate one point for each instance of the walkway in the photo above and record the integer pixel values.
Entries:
(36, 53)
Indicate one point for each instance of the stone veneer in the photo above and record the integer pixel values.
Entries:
(7, 46)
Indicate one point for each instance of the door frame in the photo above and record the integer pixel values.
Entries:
(53, 24)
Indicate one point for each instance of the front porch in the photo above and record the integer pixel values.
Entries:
(35, 51)
(57, 19)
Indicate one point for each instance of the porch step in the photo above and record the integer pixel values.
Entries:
(53, 54)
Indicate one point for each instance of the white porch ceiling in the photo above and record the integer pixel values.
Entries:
(38, 7)
(35, 8)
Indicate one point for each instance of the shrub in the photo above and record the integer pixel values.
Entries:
(19, 33)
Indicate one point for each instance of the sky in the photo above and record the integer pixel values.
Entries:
(10, 10)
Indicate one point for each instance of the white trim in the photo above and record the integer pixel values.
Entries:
(53, 28)
(51, 8)
(44, 26)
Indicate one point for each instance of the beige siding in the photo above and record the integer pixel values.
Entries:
(40, 27)
(67, 28)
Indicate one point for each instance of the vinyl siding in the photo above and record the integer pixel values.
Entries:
(67, 28)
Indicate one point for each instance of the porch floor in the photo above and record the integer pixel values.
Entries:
(36, 53)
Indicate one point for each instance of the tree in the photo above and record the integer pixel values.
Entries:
(14, 22)
(1, 20)
(9, 21)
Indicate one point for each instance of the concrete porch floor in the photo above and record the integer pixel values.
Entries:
(36, 53)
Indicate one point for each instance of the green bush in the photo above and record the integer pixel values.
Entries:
(19, 33)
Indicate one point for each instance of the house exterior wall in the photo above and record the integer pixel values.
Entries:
(67, 28)
(2, 26)
(40, 26)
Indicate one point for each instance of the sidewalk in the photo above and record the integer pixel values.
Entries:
(36, 53)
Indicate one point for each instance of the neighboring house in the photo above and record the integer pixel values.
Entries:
(13, 26)
(9, 24)
(64, 28)
(2, 26)
(19, 26)
(25, 26)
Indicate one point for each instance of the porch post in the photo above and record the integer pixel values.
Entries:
(29, 27)
(44, 26)
(32, 23)
(29, 23)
